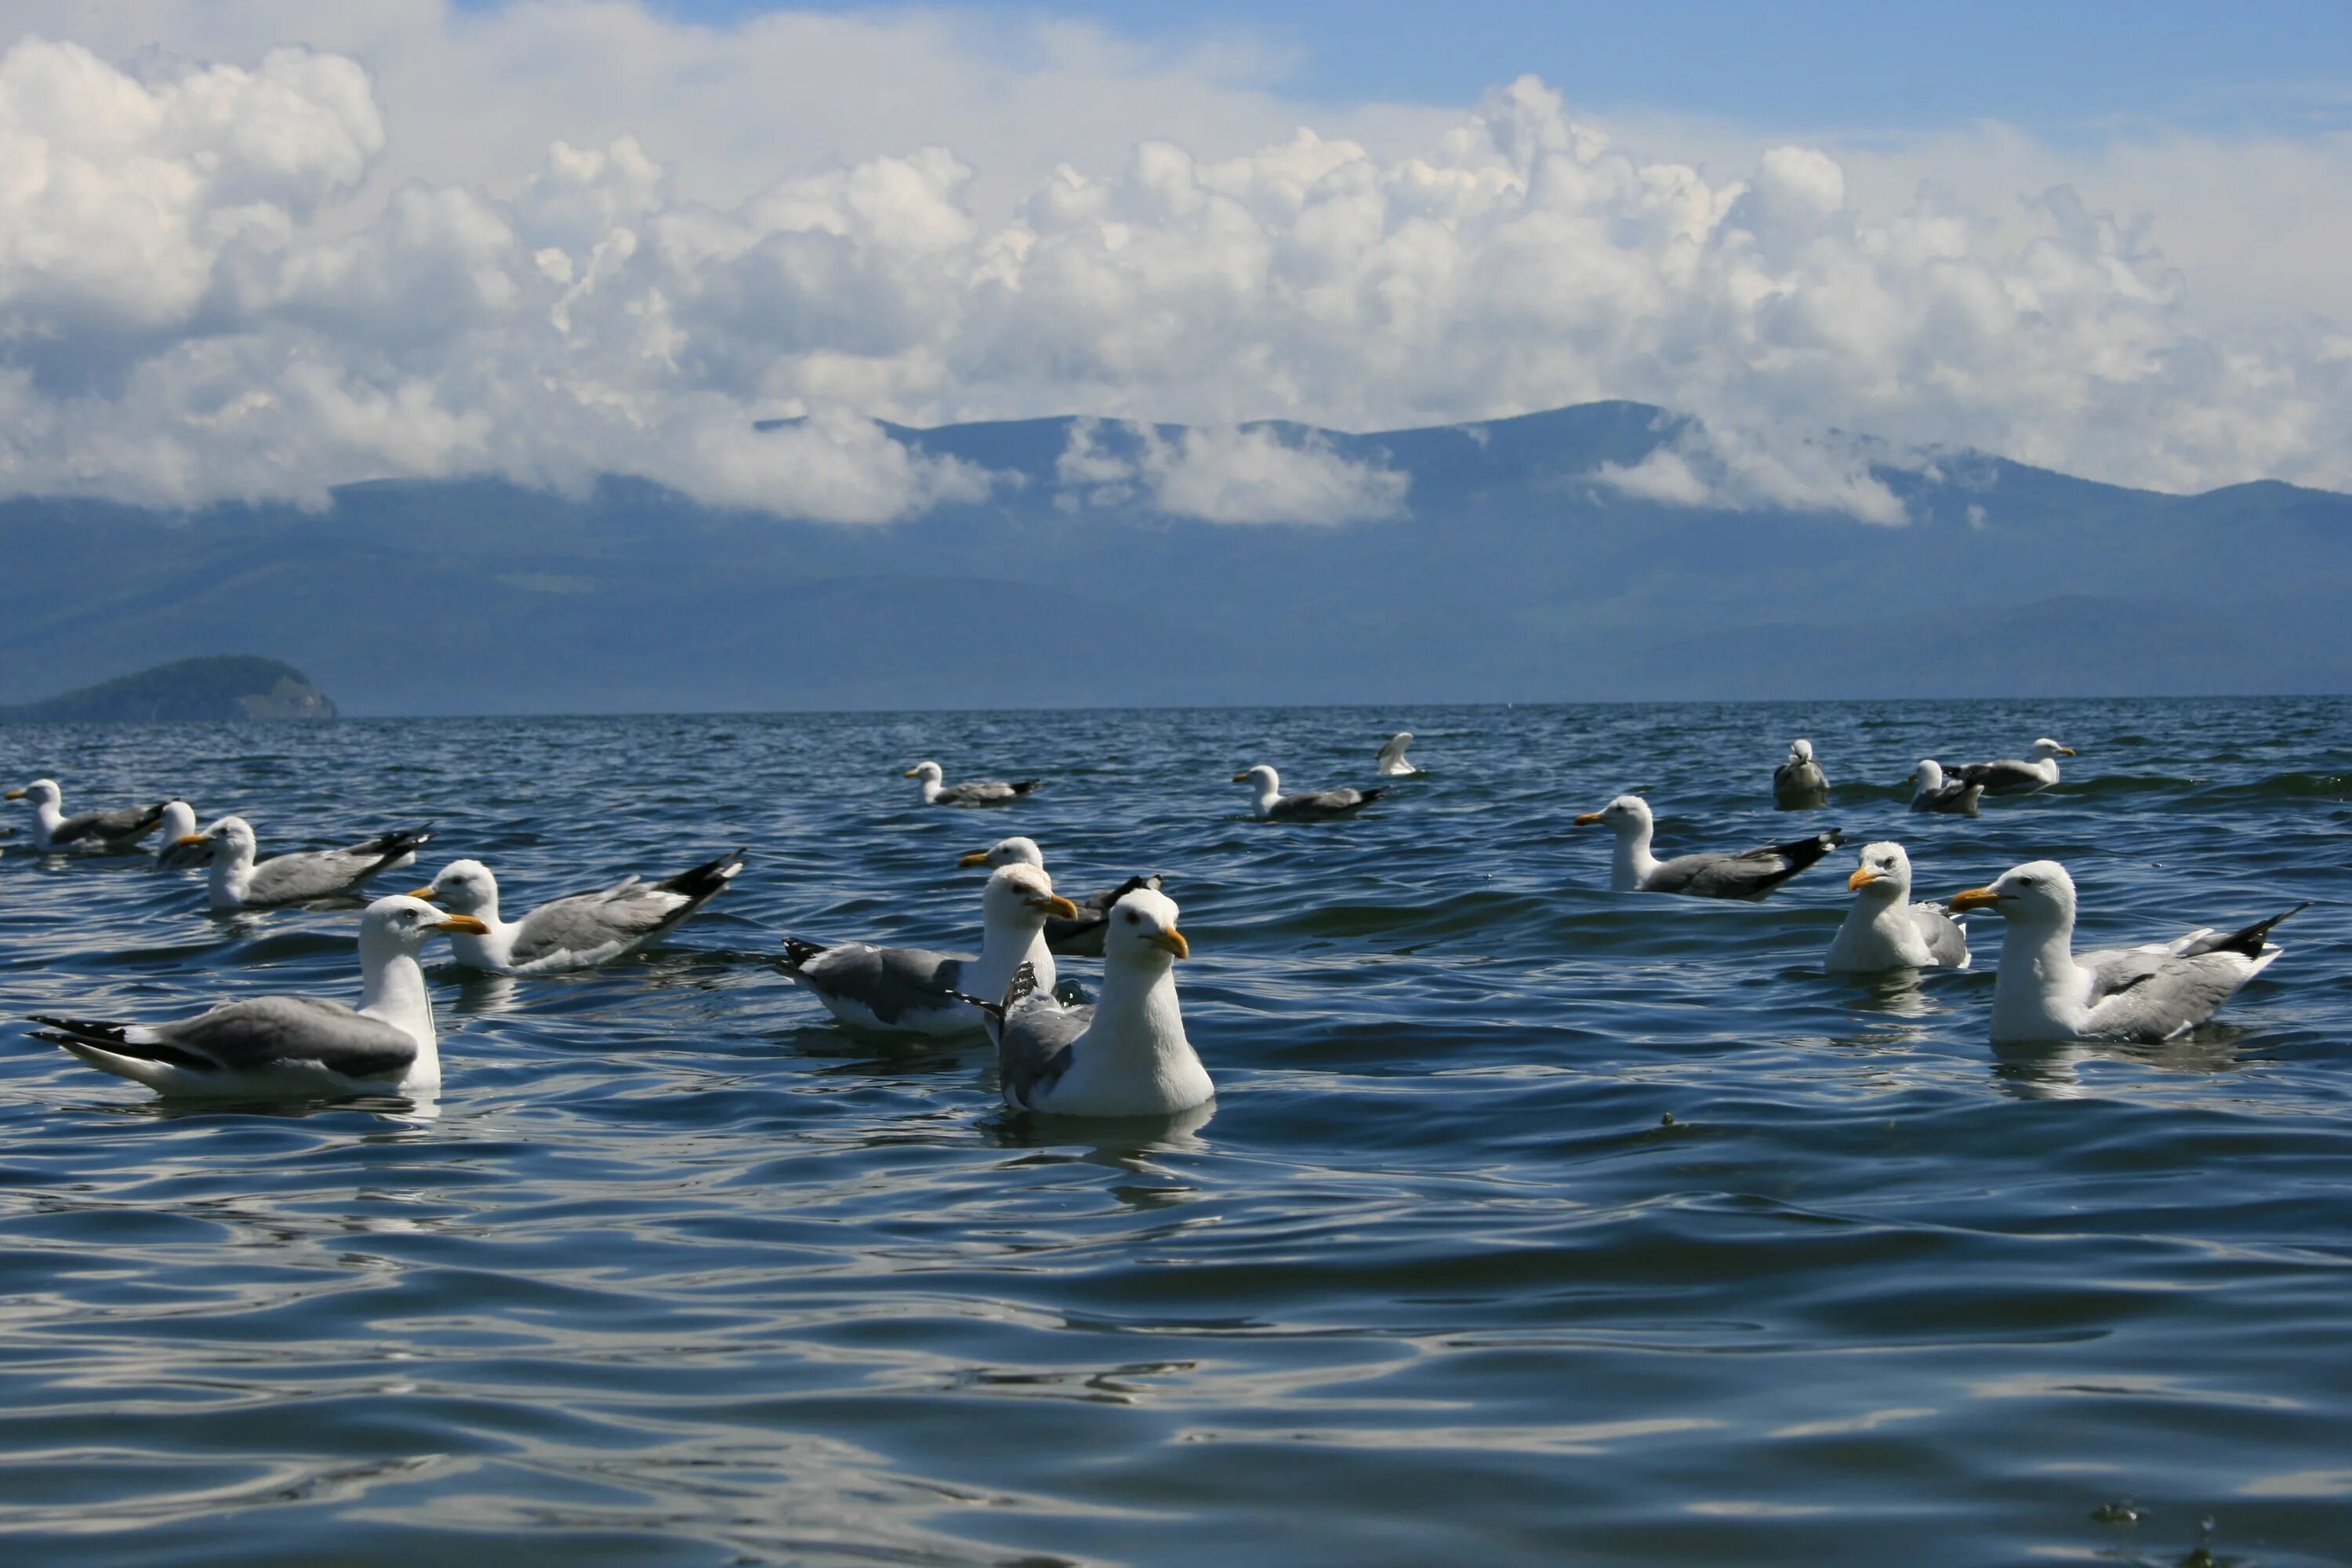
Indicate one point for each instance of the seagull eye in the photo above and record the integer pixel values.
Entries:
(1130, 917)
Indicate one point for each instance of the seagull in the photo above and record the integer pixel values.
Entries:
(2011, 776)
(172, 850)
(1318, 805)
(578, 932)
(1126, 1055)
(1077, 937)
(1750, 874)
(275, 1047)
(101, 832)
(1797, 784)
(964, 793)
(1934, 794)
(239, 884)
(1393, 763)
(1885, 930)
(2046, 990)
(914, 991)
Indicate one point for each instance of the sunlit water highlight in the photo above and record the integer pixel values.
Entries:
(676, 1273)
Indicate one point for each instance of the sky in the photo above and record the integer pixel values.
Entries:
(257, 248)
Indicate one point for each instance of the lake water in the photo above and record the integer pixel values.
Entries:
(677, 1272)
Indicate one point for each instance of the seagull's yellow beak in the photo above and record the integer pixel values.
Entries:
(1587, 819)
(910, 772)
(1976, 899)
(1863, 877)
(425, 892)
(13, 794)
(192, 840)
(1054, 904)
(977, 857)
(465, 923)
(1171, 942)
(2065, 751)
(1238, 778)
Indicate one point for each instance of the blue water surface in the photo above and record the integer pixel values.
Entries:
(677, 1271)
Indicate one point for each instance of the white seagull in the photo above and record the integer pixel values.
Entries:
(2011, 775)
(237, 883)
(2046, 990)
(1885, 930)
(1127, 1054)
(578, 932)
(101, 832)
(173, 852)
(1078, 936)
(1749, 874)
(1393, 761)
(1799, 785)
(914, 991)
(1316, 806)
(1933, 791)
(976, 793)
(276, 1048)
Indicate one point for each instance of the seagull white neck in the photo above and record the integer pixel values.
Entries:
(1634, 861)
(231, 875)
(1138, 1030)
(1267, 794)
(492, 949)
(1878, 929)
(2038, 993)
(932, 788)
(48, 817)
(1004, 947)
(1931, 779)
(391, 990)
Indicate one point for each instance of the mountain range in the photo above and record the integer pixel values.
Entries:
(1504, 567)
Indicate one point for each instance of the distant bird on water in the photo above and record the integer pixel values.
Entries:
(1750, 874)
(2013, 777)
(237, 881)
(101, 832)
(1799, 785)
(975, 794)
(1933, 791)
(1316, 805)
(1393, 763)
(2046, 990)
(578, 932)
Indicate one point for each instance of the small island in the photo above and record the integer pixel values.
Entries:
(203, 690)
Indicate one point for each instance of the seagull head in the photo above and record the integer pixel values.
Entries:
(1883, 875)
(233, 834)
(1801, 750)
(1264, 779)
(1142, 930)
(1022, 896)
(466, 887)
(403, 925)
(1626, 814)
(1016, 851)
(40, 792)
(2037, 893)
(927, 772)
(1928, 775)
(2045, 748)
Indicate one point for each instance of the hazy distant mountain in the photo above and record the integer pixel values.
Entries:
(221, 689)
(1503, 569)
